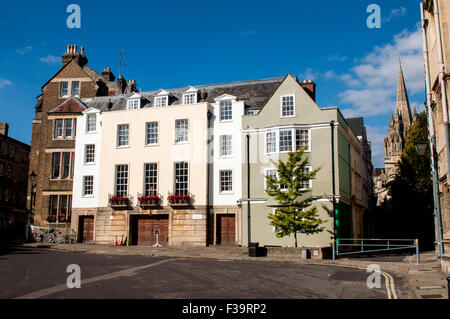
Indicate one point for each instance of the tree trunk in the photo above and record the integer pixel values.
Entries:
(295, 236)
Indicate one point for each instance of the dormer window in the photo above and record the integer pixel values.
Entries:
(134, 104)
(190, 98)
(161, 101)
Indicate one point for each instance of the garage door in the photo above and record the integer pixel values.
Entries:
(152, 228)
(226, 229)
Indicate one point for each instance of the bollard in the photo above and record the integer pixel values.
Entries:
(333, 249)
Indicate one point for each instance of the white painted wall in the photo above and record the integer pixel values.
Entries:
(233, 162)
(82, 169)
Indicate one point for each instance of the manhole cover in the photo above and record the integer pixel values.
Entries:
(431, 296)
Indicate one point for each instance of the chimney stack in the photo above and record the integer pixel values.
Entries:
(310, 88)
(72, 54)
(121, 85)
(108, 75)
(4, 128)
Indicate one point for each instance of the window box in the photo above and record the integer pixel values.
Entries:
(51, 219)
(120, 201)
(180, 200)
(149, 201)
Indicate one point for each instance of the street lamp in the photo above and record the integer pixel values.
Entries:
(421, 146)
(32, 194)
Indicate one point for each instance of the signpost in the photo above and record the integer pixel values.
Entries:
(157, 239)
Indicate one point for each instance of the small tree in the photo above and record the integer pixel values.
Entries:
(292, 215)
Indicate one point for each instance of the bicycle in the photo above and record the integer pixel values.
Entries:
(52, 238)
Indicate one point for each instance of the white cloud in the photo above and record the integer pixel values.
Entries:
(378, 73)
(51, 59)
(309, 74)
(24, 50)
(399, 12)
(4, 83)
(336, 57)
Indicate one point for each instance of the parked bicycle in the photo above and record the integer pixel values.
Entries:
(53, 238)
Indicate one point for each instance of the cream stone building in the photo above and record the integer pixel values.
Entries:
(436, 34)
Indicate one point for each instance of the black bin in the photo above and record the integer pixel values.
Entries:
(253, 249)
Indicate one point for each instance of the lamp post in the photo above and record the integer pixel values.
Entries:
(421, 148)
(32, 194)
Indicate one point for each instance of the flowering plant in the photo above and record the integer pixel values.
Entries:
(149, 198)
(51, 218)
(118, 198)
(172, 197)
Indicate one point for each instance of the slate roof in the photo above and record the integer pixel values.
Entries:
(357, 125)
(254, 93)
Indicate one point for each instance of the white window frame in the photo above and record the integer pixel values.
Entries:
(309, 138)
(86, 154)
(85, 194)
(127, 135)
(61, 89)
(72, 89)
(229, 148)
(275, 132)
(176, 183)
(147, 133)
(134, 104)
(181, 132)
(125, 176)
(159, 99)
(221, 105)
(276, 174)
(220, 181)
(281, 105)
(292, 140)
(91, 127)
(310, 181)
(190, 98)
(58, 134)
(150, 179)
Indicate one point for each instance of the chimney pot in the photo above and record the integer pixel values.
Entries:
(4, 128)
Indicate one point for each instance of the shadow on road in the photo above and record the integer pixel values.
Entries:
(17, 249)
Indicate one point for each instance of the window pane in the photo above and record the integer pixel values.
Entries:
(190, 98)
(68, 128)
(58, 128)
(74, 127)
(122, 180)
(271, 142)
(66, 165)
(181, 131)
(287, 107)
(53, 207)
(64, 89)
(72, 163)
(225, 145)
(91, 123)
(226, 181)
(56, 165)
(62, 208)
(181, 178)
(269, 173)
(89, 153)
(302, 139)
(161, 101)
(226, 112)
(76, 88)
(123, 135)
(286, 141)
(152, 133)
(151, 179)
(88, 185)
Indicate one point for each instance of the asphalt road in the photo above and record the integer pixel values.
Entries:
(41, 273)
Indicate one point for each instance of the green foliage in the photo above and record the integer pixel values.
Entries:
(293, 214)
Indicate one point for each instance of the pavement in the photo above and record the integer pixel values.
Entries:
(409, 280)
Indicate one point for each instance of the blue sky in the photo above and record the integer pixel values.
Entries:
(171, 44)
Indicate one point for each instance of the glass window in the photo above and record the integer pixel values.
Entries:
(64, 89)
(161, 101)
(152, 133)
(53, 208)
(68, 128)
(121, 180)
(226, 148)
(285, 140)
(74, 127)
(76, 88)
(134, 104)
(58, 128)
(181, 131)
(72, 164)
(91, 123)
(88, 185)
(271, 142)
(8, 172)
(62, 209)
(56, 164)
(287, 106)
(226, 181)
(226, 111)
(4, 148)
(302, 139)
(11, 150)
(66, 165)
(151, 179)
(271, 172)
(190, 98)
(306, 184)
(89, 153)
(181, 178)
(122, 139)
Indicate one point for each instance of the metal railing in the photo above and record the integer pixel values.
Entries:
(350, 246)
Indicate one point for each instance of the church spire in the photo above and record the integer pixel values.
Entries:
(402, 110)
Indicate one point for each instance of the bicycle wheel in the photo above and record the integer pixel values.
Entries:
(60, 239)
(48, 239)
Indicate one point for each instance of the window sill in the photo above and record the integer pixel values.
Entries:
(181, 143)
(226, 157)
(226, 193)
(88, 196)
(287, 116)
(151, 145)
(90, 164)
(122, 147)
(225, 121)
